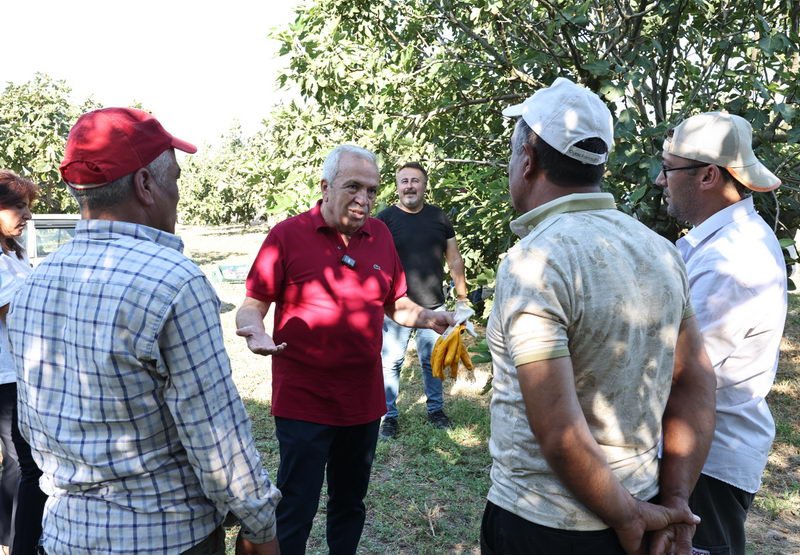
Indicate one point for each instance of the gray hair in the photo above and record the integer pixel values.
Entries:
(119, 190)
(331, 166)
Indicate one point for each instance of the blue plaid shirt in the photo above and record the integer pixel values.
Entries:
(126, 396)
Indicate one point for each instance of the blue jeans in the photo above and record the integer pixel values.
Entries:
(395, 342)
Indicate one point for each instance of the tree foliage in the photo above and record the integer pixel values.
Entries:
(422, 79)
(35, 119)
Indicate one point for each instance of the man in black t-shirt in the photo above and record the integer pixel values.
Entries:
(424, 238)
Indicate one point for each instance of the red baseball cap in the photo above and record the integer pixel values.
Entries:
(110, 143)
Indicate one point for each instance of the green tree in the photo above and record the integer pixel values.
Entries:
(35, 119)
(426, 80)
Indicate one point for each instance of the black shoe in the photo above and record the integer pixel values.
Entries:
(439, 419)
(389, 428)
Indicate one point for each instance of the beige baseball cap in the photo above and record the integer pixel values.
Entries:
(724, 140)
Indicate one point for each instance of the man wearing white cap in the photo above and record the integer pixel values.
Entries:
(737, 280)
(596, 355)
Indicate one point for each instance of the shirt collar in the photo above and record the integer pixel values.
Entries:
(575, 202)
(738, 211)
(320, 223)
(110, 229)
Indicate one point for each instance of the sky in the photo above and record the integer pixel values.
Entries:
(197, 66)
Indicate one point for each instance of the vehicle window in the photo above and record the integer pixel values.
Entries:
(49, 239)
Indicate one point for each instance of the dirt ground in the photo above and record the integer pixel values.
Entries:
(773, 525)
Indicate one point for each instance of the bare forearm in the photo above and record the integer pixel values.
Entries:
(686, 445)
(459, 279)
(408, 313)
(689, 417)
(456, 265)
(568, 446)
(249, 316)
(574, 455)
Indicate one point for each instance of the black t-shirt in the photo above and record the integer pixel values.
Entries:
(421, 242)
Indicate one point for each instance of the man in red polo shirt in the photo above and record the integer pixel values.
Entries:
(332, 272)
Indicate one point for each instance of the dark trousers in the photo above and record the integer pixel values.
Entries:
(10, 478)
(308, 452)
(723, 509)
(504, 533)
(214, 544)
(30, 499)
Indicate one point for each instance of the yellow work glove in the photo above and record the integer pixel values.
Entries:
(447, 352)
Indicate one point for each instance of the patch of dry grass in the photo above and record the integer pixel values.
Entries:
(773, 526)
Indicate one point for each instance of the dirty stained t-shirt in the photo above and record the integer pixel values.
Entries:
(588, 282)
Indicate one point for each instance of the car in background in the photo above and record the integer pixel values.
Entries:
(46, 232)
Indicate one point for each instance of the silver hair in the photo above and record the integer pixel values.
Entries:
(119, 190)
(331, 166)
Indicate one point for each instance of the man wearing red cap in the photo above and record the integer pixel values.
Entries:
(737, 279)
(125, 389)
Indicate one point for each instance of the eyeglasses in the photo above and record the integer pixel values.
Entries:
(665, 170)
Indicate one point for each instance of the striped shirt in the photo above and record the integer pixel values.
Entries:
(126, 397)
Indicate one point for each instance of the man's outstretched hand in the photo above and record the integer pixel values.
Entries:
(260, 342)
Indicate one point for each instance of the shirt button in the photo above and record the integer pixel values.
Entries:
(340, 248)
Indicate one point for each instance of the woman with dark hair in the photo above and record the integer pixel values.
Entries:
(20, 505)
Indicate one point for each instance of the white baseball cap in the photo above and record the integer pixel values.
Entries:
(564, 114)
(724, 140)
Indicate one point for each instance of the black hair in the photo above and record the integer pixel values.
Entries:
(560, 168)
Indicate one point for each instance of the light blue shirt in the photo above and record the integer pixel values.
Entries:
(126, 397)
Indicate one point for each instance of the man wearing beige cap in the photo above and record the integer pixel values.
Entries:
(596, 354)
(125, 389)
(737, 279)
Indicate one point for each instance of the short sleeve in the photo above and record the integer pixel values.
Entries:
(449, 232)
(398, 287)
(535, 307)
(266, 277)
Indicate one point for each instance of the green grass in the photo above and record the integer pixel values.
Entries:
(428, 486)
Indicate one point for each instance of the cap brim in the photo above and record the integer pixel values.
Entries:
(513, 111)
(183, 145)
(756, 177)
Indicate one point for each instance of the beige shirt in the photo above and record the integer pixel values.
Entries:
(588, 282)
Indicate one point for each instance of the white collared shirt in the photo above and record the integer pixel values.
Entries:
(737, 279)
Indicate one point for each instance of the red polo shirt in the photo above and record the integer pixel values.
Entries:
(329, 315)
